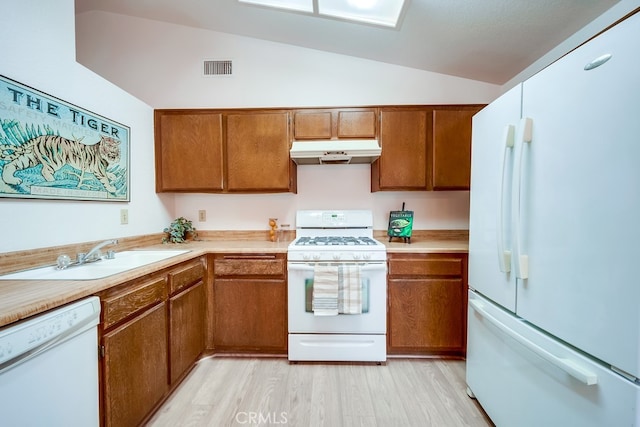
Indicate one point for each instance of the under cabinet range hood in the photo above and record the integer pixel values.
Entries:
(335, 151)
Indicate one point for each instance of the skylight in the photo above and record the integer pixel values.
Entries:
(376, 12)
(297, 5)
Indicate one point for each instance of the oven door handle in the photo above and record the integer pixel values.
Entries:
(374, 266)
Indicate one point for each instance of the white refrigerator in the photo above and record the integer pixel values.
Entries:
(554, 242)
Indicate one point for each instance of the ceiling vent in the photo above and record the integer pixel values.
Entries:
(213, 68)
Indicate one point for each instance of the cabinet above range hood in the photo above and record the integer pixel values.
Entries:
(335, 151)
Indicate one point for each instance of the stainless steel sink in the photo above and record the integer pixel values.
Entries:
(123, 261)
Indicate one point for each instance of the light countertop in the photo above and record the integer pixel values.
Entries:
(20, 299)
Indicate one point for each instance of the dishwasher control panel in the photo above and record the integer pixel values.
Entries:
(27, 338)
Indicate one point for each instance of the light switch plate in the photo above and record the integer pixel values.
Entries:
(202, 215)
(124, 216)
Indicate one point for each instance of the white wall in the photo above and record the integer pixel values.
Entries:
(327, 187)
(37, 48)
(161, 64)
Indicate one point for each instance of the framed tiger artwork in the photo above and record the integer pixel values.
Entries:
(51, 149)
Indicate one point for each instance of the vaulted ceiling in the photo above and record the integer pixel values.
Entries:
(485, 40)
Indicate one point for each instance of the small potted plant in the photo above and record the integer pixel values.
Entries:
(178, 230)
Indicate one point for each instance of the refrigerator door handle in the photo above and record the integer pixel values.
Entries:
(522, 260)
(569, 366)
(504, 256)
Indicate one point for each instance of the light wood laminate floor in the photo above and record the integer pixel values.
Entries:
(225, 391)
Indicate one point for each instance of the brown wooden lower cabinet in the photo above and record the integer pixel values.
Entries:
(151, 334)
(186, 329)
(427, 301)
(250, 294)
(153, 328)
(187, 307)
(135, 367)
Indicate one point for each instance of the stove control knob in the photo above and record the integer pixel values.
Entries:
(306, 256)
(366, 256)
(337, 256)
(356, 256)
(316, 257)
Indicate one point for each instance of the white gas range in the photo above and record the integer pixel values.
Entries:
(337, 288)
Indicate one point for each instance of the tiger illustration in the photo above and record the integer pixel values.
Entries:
(53, 152)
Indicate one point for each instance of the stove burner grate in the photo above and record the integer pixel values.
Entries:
(336, 241)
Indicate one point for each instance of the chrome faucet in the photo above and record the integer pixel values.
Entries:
(83, 258)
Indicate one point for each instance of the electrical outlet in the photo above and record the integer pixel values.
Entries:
(202, 215)
(124, 216)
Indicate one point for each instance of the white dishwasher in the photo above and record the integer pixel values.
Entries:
(49, 368)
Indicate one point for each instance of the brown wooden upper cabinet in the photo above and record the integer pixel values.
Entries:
(451, 148)
(404, 135)
(334, 123)
(188, 146)
(424, 148)
(258, 152)
(220, 151)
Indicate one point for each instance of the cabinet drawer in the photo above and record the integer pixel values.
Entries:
(249, 266)
(426, 267)
(118, 306)
(185, 276)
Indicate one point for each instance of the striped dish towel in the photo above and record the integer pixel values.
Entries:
(349, 290)
(325, 290)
